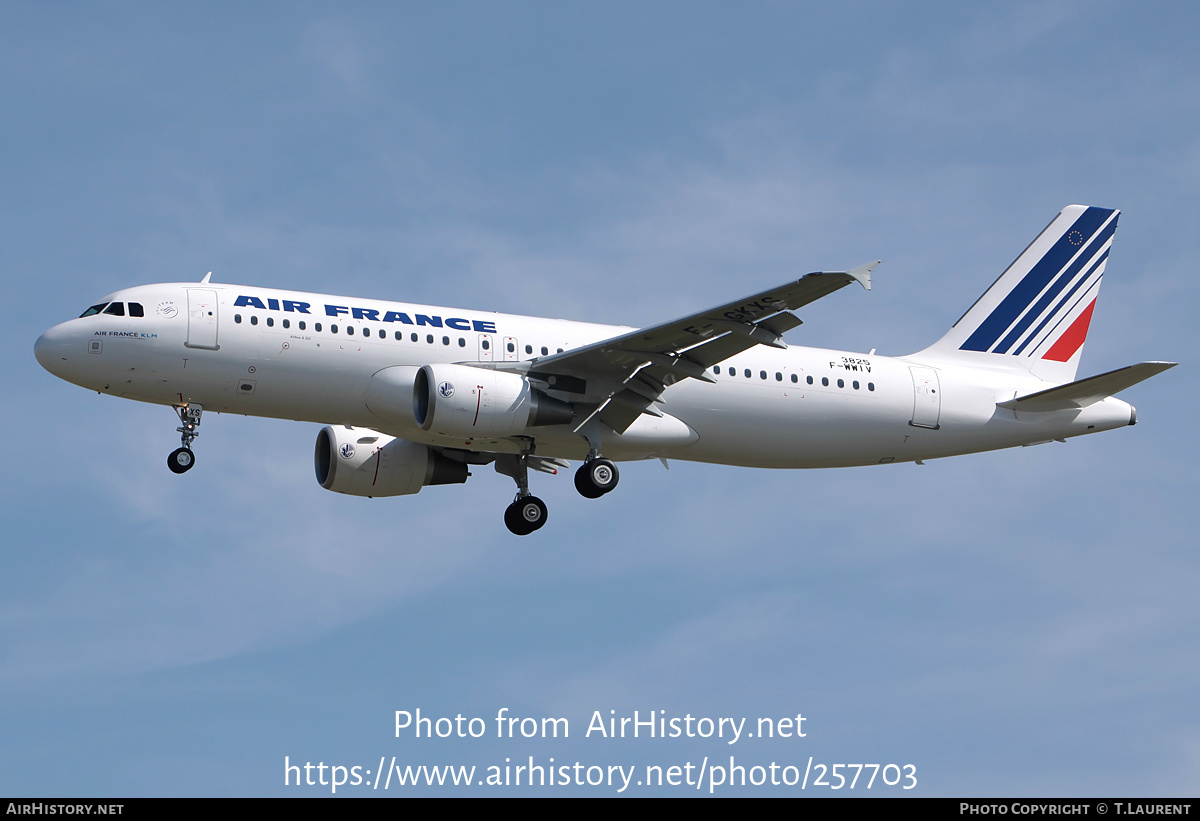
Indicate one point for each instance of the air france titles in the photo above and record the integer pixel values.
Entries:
(367, 314)
(127, 334)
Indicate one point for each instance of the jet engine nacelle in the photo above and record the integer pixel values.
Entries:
(459, 400)
(363, 462)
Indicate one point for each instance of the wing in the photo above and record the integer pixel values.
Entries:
(624, 376)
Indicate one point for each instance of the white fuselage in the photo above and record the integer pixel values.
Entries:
(311, 357)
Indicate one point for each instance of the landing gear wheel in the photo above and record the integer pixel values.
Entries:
(525, 515)
(181, 460)
(595, 478)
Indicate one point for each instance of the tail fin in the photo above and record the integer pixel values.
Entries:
(1037, 313)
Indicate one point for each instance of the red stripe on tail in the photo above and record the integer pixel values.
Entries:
(1072, 340)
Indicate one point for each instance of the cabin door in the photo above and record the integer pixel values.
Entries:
(202, 319)
(927, 398)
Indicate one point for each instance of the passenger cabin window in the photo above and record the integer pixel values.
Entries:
(92, 311)
(253, 319)
(116, 309)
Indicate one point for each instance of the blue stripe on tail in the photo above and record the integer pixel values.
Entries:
(1051, 265)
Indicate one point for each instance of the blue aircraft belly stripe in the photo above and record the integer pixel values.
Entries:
(1083, 280)
(1055, 288)
(1032, 284)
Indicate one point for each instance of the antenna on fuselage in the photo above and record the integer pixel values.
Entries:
(205, 280)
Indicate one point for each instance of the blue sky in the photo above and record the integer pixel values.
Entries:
(1017, 623)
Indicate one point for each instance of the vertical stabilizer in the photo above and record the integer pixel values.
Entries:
(1036, 315)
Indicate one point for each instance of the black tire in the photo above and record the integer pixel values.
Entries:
(513, 522)
(597, 477)
(181, 460)
(584, 485)
(525, 515)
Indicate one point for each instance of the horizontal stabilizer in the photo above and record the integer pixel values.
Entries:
(1088, 391)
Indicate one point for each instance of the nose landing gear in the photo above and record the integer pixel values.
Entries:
(182, 459)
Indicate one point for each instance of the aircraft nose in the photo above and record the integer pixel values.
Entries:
(51, 350)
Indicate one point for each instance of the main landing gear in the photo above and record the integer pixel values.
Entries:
(182, 459)
(596, 477)
(527, 513)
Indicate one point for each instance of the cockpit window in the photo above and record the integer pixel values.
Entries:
(116, 309)
(92, 311)
(135, 309)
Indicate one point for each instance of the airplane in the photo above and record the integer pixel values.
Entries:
(415, 395)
